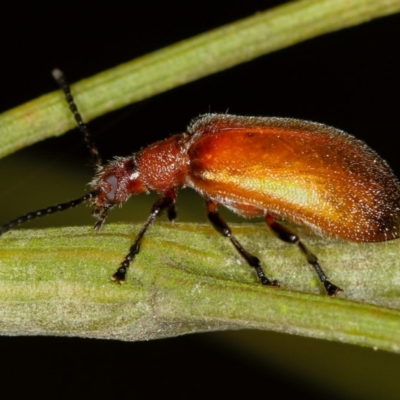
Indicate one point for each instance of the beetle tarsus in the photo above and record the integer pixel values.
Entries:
(267, 282)
(120, 275)
(331, 289)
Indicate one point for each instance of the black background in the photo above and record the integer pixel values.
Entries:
(348, 79)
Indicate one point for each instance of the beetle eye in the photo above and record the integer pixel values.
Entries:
(113, 181)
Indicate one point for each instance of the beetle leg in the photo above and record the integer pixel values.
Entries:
(288, 236)
(222, 227)
(163, 203)
(171, 213)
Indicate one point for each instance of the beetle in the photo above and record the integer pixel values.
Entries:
(305, 172)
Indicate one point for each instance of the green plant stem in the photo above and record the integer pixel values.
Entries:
(184, 62)
(186, 279)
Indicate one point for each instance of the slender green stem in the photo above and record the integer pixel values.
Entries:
(184, 62)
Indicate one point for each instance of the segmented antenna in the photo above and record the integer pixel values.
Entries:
(46, 211)
(59, 77)
(95, 159)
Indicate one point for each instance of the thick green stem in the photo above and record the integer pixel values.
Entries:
(188, 279)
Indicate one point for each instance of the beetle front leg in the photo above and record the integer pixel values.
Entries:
(222, 227)
(163, 203)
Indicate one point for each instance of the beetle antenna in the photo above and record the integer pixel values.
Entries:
(46, 211)
(59, 77)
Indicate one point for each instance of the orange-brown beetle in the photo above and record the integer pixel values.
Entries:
(305, 172)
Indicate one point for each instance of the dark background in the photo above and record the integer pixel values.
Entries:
(349, 79)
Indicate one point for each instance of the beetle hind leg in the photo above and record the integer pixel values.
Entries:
(288, 236)
(222, 227)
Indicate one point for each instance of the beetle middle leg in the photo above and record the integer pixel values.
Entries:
(171, 212)
(222, 227)
(288, 236)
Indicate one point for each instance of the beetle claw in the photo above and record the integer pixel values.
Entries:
(267, 282)
(119, 276)
(331, 289)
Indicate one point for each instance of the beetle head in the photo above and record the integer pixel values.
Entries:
(114, 183)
